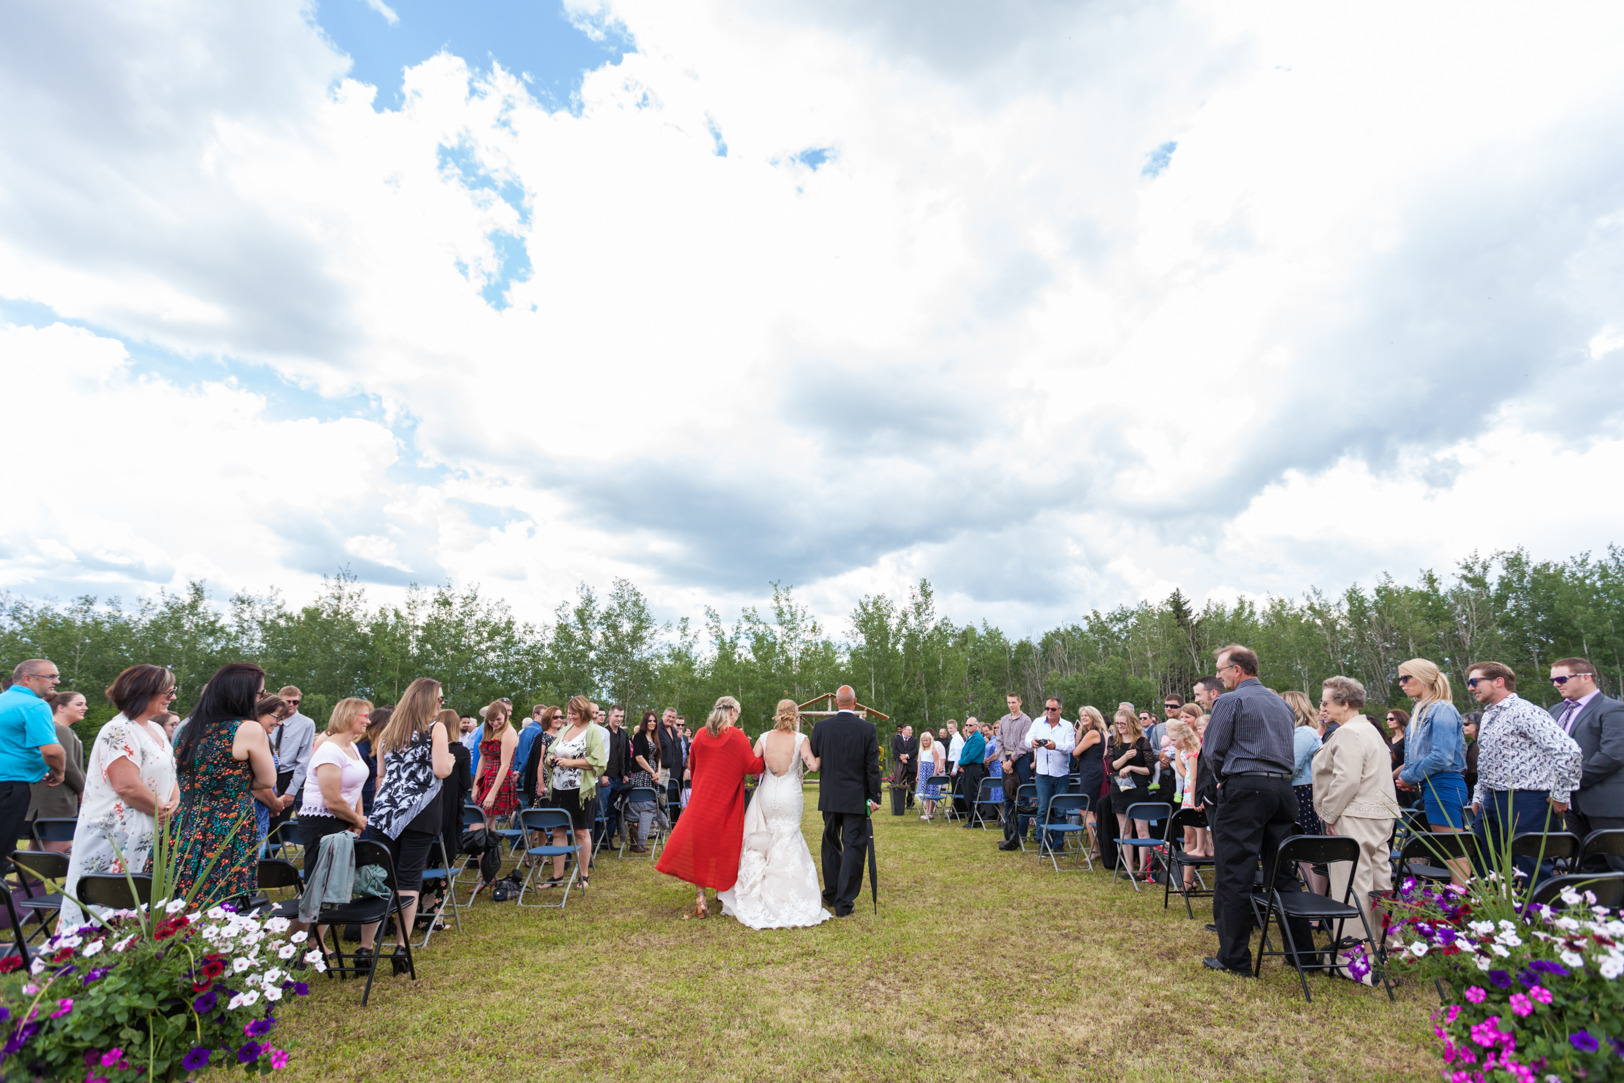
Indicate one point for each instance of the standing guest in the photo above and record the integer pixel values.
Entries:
(1051, 739)
(645, 768)
(904, 761)
(1250, 745)
(495, 790)
(972, 769)
(1155, 730)
(955, 744)
(533, 780)
(1089, 752)
(169, 721)
(616, 770)
(456, 786)
(129, 785)
(931, 761)
(1129, 759)
(1305, 741)
(224, 763)
(367, 746)
(29, 750)
(1354, 796)
(527, 737)
(1596, 724)
(1204, 694)
(1468, 725)
(672, 761)
(941, 737)
(1398, 724)
(294, 741)
(414, 758)
(270, 712)
(1527, 769)
(704, 847)
(1186, 751)
(62, 802)
(575, 761)
(1172, 705)
(1017, 768)
(331, 800)
(1432, 762)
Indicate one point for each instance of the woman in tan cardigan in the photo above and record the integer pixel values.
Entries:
(1353, 792)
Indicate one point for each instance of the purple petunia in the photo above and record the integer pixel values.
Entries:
(197, 1058)
(97, 974)
(205, 1003)
(1584, 1041)
(19, 1038)
(249, 1052)
(1528, 976)
(258, 1028)
(301, 989)
(1546, 966)
(1500, 979)
(1618, 1046)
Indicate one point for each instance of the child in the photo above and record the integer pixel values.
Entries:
(1187, 749)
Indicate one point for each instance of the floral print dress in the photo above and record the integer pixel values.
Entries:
(107, 826)
(217, 821)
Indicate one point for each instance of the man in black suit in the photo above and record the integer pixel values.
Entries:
(848, 748)
(1596, 722)
(904, 761)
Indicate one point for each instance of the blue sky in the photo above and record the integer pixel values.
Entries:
(1057, 305)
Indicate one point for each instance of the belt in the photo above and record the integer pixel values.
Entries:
(1257, 774)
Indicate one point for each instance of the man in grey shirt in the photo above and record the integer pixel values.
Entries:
(1017, 763)
(1249, 743)
(292, 743)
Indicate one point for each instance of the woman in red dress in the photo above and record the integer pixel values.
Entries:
(704, 846)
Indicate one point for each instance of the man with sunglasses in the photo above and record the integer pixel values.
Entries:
(1596, 724)
(1052, 738)
(1527, 768)
(29, 749)
(293, 742)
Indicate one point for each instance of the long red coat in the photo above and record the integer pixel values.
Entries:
(704, 846)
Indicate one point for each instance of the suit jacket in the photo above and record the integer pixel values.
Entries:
(904, 746)
(1599, 731)
(849, 774)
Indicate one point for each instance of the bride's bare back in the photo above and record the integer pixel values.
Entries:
(777, 747)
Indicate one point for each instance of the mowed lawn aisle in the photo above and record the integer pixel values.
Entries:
(981, 965)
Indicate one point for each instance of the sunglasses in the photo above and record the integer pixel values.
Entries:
(1473, 682)
(1560, 681)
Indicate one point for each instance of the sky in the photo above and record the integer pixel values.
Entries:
(1058, 305)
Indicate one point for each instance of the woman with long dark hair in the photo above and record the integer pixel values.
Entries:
(414, 756)
(645, 768)
(224, 763)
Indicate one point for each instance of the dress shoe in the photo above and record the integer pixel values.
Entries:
(1215, 964)
(1211, 928)
(1007, 845)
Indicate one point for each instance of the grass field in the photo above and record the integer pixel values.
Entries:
(980, 965)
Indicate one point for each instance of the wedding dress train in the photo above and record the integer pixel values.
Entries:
(778, 884)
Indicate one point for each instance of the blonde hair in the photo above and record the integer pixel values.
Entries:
(1094, 720)
(1300, 706)
(725, 710)
(1131, 717)
(345, 712)
(498, 716)
(413, 716)
(787, 717)
(1183, 734)
(451, 720)
(1433, 680)
(925, 739)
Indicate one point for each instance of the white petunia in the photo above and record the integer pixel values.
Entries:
(234, 1003)
(299, 937)
(175, 906)
(1571, 897)
(240, 964)
(286, 951)
(1510, 940)
(273, 974)
(1482, 928)
(313, 957)
(216, 913)
(93, 948)
(1500, 950)
(1483, 962)
(39, 965)
(273, 993)
(1571, 959)
(1419, 948)
(1508, 926)
(125, 943)
(278, 925)
(250, 998)
(1612, 967)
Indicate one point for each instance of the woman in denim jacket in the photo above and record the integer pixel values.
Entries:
(1434, 750)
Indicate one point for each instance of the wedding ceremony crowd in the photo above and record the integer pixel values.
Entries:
(245, 774)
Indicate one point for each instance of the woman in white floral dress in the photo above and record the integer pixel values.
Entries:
(129, 780)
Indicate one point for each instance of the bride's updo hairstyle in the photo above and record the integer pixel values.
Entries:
(725, 711)
(787, 717)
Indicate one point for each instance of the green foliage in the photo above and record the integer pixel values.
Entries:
(903, 658)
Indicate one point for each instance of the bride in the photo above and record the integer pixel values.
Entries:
(778, 884)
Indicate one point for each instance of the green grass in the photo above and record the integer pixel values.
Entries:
(980, 965)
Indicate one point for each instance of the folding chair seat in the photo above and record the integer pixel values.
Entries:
(1554, 846)
(1608, 842)
(1153, 813)
(548, 820)
(944, 786)
(513, 836)
(1061, 806)
(278, 874)
(1026, 795)
(1178, 860)
(985, 800)
(1281, 906)
(1607, 887)
(642, 795)
(44, 866)
(367, 910)
(1423, 855)
(113, 890)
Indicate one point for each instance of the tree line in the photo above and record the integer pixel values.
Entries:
(903, 658)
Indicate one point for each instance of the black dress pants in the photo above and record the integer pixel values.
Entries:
(845, 848)
(1257, 815)
(14, 797)
(970, 776)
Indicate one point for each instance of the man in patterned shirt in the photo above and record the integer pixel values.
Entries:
(1527, 768)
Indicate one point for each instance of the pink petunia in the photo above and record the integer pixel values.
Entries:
(1452, 1014)
(1541, 994)
(1476, 994)
(63, 1007)
(1522, 1005)
(279, 1058)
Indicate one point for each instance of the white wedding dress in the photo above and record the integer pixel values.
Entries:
(777, 886)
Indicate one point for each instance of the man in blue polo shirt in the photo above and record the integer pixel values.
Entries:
(29, 750)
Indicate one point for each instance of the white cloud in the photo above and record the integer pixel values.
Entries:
(976, 343)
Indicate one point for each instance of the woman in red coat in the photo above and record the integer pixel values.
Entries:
(704, 845)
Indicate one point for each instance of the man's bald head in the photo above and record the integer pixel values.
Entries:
(845, 698)
(32, 668)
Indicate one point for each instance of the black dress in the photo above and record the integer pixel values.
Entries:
(1091, 774)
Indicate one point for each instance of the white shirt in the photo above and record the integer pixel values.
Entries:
(1056, 762)
(954, 747)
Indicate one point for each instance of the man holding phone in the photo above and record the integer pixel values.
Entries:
(1052, 738)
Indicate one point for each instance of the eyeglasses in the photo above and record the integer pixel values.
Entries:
(41, 677)
(1052, 710)
(1473, 682)
(1560, 681)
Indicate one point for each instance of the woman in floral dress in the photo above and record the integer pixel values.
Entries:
(224, 762)
(129, 781)
(496, 790)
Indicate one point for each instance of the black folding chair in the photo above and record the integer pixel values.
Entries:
(1058, 822)
(1026, 795)
(1282, 906)
(1152, 812)
(1178, 860)
(368, 910)
(1607, 887)
(112, 890)
(548, 820)
(1423, 855)
(642, 795)
(285, 841)
(52, 829)
(1608, 842)
(44, 866)
(278, 874)
(1563, 846)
